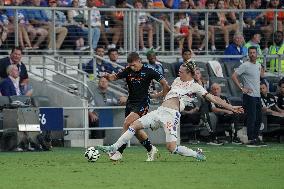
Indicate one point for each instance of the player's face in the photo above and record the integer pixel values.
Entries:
(183, 74)
(135, 65)
(14, 72)
(263, 89)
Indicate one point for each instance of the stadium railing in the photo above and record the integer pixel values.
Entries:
(165, 40)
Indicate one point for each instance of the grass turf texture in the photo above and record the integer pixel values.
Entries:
(226, 167)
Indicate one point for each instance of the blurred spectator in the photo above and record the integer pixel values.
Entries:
(220, 115)
(199, 78)
(182, 28)
(15, 59)
(277, 49)
(113, 24)
(235, 48)
(212, 21)
(95, 22)
(275, 4)
(145, 25)
(103, 97)
(254, 20)
(75, 32)
(11, 86)
(102, 67)
(113, 57)
(269, 106)
(186, 57)
(59, 22)
(224, 24)
(32, 36)
(64, 3)
(172, 4)
(280, 95)
(254, 41)
(152, 60)
(3, 28)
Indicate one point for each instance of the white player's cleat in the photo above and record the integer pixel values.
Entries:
(115, 156)
(152, 154)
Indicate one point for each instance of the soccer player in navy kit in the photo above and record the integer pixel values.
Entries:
(138, 78)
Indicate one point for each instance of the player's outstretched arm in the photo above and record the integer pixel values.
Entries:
(110, 77)
(165, 89)
(223, 103)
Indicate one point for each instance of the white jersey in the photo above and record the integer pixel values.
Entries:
(185, 91)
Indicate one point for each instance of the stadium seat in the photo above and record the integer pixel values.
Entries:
(230, 67)
(211, 72)
(273, 83)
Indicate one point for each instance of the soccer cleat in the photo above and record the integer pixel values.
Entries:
(106, 149)
(151, 155)
(200, 156)
(115, 156)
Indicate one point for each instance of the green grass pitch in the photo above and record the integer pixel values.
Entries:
(226, 167)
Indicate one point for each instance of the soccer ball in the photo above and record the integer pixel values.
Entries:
(92, 154)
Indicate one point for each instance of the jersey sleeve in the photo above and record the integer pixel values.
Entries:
(155, 74)
(123, 74)
(198, 89)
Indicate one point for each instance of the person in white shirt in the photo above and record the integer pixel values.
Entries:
(167, 116)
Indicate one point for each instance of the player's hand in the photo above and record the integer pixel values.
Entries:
(246, 90)
(238, 109)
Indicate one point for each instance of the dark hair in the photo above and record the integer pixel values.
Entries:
(263, 83)
(186, 50)
(112, 50)
(281, 82)
(254, 32)
(17, 48)
(99, 47)
(190, 67)
(252, 47)
(133, 56)
(210, 2)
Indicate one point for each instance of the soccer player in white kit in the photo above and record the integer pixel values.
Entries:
(167, 116)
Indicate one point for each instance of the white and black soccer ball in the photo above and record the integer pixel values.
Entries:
(92, 154)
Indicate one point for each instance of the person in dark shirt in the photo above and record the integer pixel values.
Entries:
(221, 115)
(269, 106)
(15, 58)
(280, 96)
(138, 78)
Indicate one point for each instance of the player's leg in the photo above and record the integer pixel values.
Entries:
(171, 122)
(123, 139)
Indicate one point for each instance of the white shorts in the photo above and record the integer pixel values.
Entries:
(163, 117)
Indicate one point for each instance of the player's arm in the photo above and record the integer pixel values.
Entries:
(110, 77)
(165, 89)
(223, 103)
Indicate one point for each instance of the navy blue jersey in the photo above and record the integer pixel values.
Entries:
(138, 82)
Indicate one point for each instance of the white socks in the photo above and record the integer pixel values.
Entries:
(184, 151)
(124, 138)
